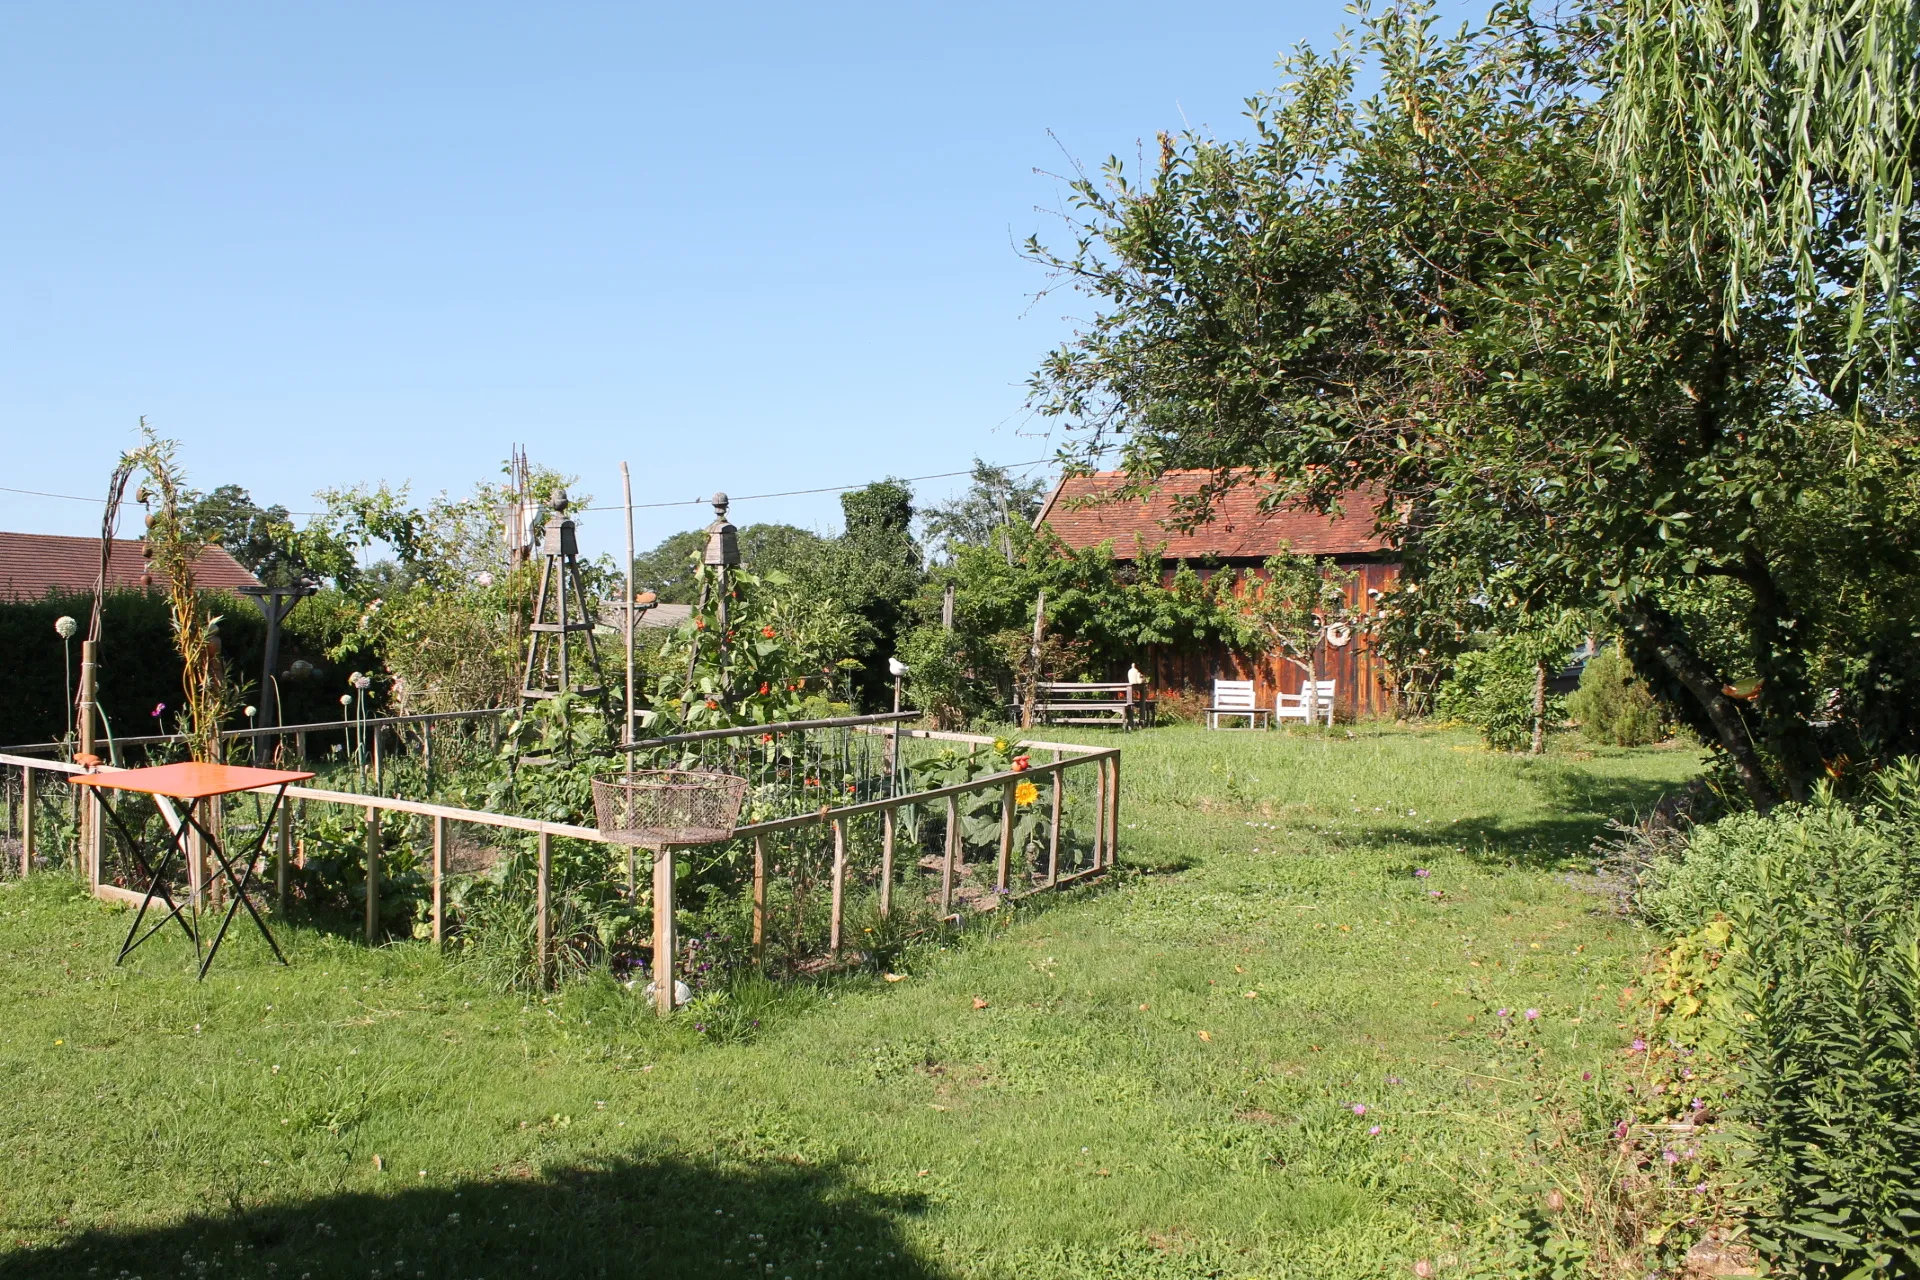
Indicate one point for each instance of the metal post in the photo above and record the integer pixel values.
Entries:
(626, 730)
(663, 939)
(373, 875)
(439, 879)
(542, 924)
(89, 815)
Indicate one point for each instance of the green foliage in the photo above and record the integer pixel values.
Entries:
(1613, 705)
(1419, 293)
(1492, 690)
(671, 570)
(981, 516)
(1821, 986)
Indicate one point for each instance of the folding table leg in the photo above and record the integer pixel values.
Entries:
(240, 884)
(157, 886)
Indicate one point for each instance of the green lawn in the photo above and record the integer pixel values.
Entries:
(1165, 1078)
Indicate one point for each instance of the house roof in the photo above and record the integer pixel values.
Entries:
(1083, 512)
(31, 564)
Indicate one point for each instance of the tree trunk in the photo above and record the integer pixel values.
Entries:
(1779, 662)
(1658, 637)
(1539, 709)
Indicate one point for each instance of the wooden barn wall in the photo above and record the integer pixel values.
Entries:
(1360, 688)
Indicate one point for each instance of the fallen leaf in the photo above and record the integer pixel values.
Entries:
(1143, 1008)
(923, 1173)
(978, 1003)
(1238, 969)
(379, 1164)
(1251, 995)
(894, 977)
(1207, 1036)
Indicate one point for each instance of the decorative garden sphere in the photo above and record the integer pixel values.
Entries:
(64, 627)
(301, 669)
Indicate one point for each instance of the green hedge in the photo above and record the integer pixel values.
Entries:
(138, 665)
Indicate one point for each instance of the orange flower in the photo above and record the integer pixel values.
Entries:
(1025, 793)
(766, 737)
(767, 632)
(712, 705)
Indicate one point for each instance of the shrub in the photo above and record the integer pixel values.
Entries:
(1492, 690)
(1613, 705)
(1820, 984)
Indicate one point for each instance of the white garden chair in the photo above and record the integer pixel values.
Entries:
(1233, 698)
(1313, 702)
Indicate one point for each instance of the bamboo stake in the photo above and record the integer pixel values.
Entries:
(839, 886)
(663, 938)
(953, 846)
(1001, 863)
(543, 924)
(439, 879)
(760, 902)
(1053, 829)
(886, 862)
(373, 874)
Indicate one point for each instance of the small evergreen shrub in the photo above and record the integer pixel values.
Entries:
(1613, 705)
(1492, 690)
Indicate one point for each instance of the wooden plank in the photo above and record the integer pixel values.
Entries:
(1099, 812)
(282, 852)
(920, 797)
(26, 819)
(1053, 831)
(114, 893)
(1113, 808)
(834, 916)
(542, 910)
(886, 862)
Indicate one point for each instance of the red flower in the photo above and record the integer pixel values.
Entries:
(763, 687)
(1022, 763)
(766, 737)
(813, 782)
(700, 624)
(767, 632)
(712, 705)
(849, 788)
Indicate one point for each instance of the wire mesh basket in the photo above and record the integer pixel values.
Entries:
(657, 807)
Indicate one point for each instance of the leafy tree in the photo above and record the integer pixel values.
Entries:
(1420, 293)
(1290, 607)
(671, 568)
(994, 500)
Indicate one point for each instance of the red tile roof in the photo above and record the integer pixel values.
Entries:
(31, 564)
(1082, 512)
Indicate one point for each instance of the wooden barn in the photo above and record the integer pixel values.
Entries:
(1083, 511)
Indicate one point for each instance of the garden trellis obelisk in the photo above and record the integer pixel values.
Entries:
(560, 613)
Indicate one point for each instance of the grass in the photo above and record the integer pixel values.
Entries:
(1161, 1077)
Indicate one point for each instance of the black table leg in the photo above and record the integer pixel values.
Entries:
(240, 884)
(156, 887)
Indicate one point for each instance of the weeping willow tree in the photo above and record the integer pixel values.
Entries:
(173, 549)
(1773, 143)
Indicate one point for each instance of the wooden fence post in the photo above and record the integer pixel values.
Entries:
(373, 875)
(439, 880)
(953, 847)
(1099, 813)
(1113, 807)
(663, 939)
(886, 862)
(26, 820)
(1001, 863)
(542, 924)
(300, 745)
(426, 751)
(282, 851)
(760, 902)
(1053, 828)
(839, 886)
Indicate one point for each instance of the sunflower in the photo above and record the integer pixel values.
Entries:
(1025, 793)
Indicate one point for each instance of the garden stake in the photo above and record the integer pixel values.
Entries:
(953, 843)
(373, 874)
(1006, 839)
(663, 930)
(760, 903)
(439, 879)
(839, 885)
(886, 862)
(26, 820)
(1113, 807)
(541, 925)
(1053, 829)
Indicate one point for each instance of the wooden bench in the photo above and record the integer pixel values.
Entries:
(1075, 702)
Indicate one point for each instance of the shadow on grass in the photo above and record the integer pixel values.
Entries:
(661, 1217)
(1565, 839)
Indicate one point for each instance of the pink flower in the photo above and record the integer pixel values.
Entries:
(1532, 1014)
(1620, 1130)
(1374, 1132)
(1422, 872)
(1359, 1108)
(1639, 1045)
(1501, 1013)
(158, 707)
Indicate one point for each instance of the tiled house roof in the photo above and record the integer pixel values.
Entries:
(31, 564)
(1239, 530)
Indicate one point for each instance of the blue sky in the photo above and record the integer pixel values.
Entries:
(753, 247)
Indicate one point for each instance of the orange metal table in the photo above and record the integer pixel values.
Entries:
(194, 783)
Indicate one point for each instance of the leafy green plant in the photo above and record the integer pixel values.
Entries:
(1613, 705)
(1492, 690)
